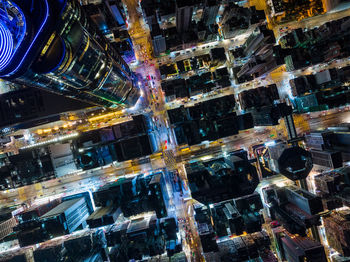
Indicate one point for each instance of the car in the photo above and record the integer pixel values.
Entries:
(274, 224)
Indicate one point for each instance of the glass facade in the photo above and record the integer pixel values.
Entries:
(69, 56)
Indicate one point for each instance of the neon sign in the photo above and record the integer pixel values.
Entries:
(39, 31)
(12, 32)
(6, 46)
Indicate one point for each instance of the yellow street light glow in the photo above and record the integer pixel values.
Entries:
(50, 141)
(204, 158)
(108, 115)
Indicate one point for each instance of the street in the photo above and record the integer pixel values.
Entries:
(171, 156)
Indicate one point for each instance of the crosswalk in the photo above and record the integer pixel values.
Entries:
(169, 159)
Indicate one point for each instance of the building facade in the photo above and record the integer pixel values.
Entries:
(184, 11)
(210, 11)
(56, 47)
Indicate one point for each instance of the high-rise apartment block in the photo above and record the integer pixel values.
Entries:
(53, 45)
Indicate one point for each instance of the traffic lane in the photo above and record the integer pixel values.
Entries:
(233, 143)
(256, 137)
(199, 50)
(157, 105)
(280, 78)
(156, 100)
(82, 182)
(187, 226)
(49, 188)
(312, 21)
(324, 121)
(48, 185)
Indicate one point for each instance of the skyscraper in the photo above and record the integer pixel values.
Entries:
(54, 46)
(210, 11)
(184, 11)
(158, 40)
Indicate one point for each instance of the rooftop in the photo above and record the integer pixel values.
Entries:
(61, 208)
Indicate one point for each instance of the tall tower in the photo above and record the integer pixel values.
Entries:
(210, 11)
(51, 44)
(184, 11)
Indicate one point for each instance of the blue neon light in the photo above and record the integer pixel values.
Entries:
(19, 40)
(36, 36)
(6, 46)
(64, 6)
(24, 31)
